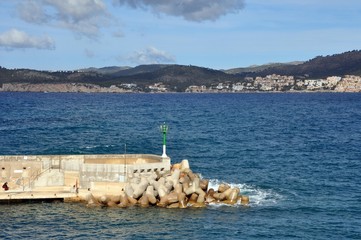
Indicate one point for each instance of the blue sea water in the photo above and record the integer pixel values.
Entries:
(296, 155)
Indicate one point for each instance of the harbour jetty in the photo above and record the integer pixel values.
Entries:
(73, 176)
(120, 180)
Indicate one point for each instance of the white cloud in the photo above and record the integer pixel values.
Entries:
(151, 55)
(192, 10)
(18, 39)
(33, 12)
(84, 17)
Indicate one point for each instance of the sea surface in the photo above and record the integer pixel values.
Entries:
(297, 156)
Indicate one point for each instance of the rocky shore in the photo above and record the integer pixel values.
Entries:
(60, 87)
(179, 188)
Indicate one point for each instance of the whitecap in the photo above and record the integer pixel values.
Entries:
(257, 195)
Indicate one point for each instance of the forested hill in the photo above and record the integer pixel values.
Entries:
(179, 77)
(348, 63)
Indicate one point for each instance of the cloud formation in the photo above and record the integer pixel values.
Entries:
(191, 10)
(18, 39)
(84, 17)
(151, 55)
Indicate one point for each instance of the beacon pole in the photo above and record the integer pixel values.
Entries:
(164, 130)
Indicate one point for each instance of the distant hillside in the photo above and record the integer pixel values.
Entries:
(348, 63)
(104, 70)
(179, 77)
(259, 68)
(34, 76)
(140, 69)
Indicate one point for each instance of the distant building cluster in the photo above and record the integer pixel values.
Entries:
(278, 83)
(158, 87)
(349, 83)
(270, 83)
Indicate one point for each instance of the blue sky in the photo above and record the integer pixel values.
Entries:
(219, 34)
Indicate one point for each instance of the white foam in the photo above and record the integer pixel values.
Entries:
(257, 195)
(97, 146)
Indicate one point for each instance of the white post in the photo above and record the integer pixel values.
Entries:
(164, 151)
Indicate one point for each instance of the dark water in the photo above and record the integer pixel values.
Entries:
(296, 155)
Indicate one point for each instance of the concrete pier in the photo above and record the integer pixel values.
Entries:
(53, 177)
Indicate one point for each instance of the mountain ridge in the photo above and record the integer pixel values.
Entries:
(179, 77)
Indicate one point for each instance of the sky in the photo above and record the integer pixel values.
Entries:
(220, 34)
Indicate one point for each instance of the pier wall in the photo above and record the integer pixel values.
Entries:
(71, 173)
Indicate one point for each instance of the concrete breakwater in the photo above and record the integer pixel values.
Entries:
(119, 180)
(33, 177)
(178, 188)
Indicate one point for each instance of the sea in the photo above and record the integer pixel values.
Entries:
(296, 155)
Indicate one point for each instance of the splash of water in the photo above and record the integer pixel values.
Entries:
(257, 195)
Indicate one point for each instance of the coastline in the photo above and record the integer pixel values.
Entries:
(92, 88)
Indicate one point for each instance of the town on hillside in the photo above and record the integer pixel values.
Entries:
(270, 83)
(275, 83)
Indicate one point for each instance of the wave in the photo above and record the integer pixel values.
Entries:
(98, 146)
(257, 196)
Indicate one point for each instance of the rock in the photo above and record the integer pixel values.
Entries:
(201, 198)
(193, 186)
(172, 197)
(103, 200)
(91, 201)
(184, 179)
(193, 198)
(143, 201)
(168, 199)
(173, 179)
(182, 200)
(128, 190)
(178, 188)
(244, 200)
(161, 181)
(204, 184)
(173, 205)
(175, 175)
(131, 200)
(150, 195)
(201, 195)
(223, 187)
(184, 166)
(218, 196)
(225, 195)
(124, 202)
(176, 166)
(234, 195)
(112, 204)
(198, 205)
(152, 178)
(115, 199)
(162, 202)
(185, 183)
(160, 188)
(140, 188)
(169, 185)
(210, 192)
(209, 199)
(192, 175)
